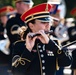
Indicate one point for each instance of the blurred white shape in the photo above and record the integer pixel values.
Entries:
(67, 71)
(72, 46)
(64, 35)
(62, 8)
(53, 1)
(70, 19)
(4, 46)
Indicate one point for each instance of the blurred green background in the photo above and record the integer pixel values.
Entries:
(70, 4)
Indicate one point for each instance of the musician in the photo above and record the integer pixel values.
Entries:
(72, 37)
(37, 55)
(56, 21)
(4, 42)
(4, 16)
(15, 23)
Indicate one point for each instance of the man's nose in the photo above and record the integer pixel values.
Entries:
(47, 24)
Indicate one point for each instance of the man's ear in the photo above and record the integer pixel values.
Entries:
(31, 26)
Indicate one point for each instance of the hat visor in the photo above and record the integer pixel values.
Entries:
(55, 19)
(44, 19)
(28, 2)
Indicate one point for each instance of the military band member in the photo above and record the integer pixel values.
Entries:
(37, 54)
(72, 37)
(15, 23)
(4, 16)
(4, 42)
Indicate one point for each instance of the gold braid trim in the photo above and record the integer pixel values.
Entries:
(57, 67)
(14, 31)
(18, 41)
(59, 52)
(39, 59)
(20, 61)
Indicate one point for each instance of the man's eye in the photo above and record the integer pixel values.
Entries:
(56, 20)
(43, 22)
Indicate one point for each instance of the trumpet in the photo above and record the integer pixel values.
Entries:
(46, 32)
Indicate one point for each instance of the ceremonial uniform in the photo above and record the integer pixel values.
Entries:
(4, 17)
(74, 60)
(3, 37)
(12, 26)
(72, 37)
(4, 52)
(43, 59)
(15, 23)
(3, 60)
(2, 32)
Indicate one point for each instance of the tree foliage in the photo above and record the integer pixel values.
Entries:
(11, 2)
(69, 3)
(5, 3)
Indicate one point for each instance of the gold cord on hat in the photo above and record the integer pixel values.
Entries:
(46, 9)
(32, 16)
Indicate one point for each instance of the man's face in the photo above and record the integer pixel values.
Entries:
(56, 22)
(22, 7)
(25, 6)
(39, 25)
